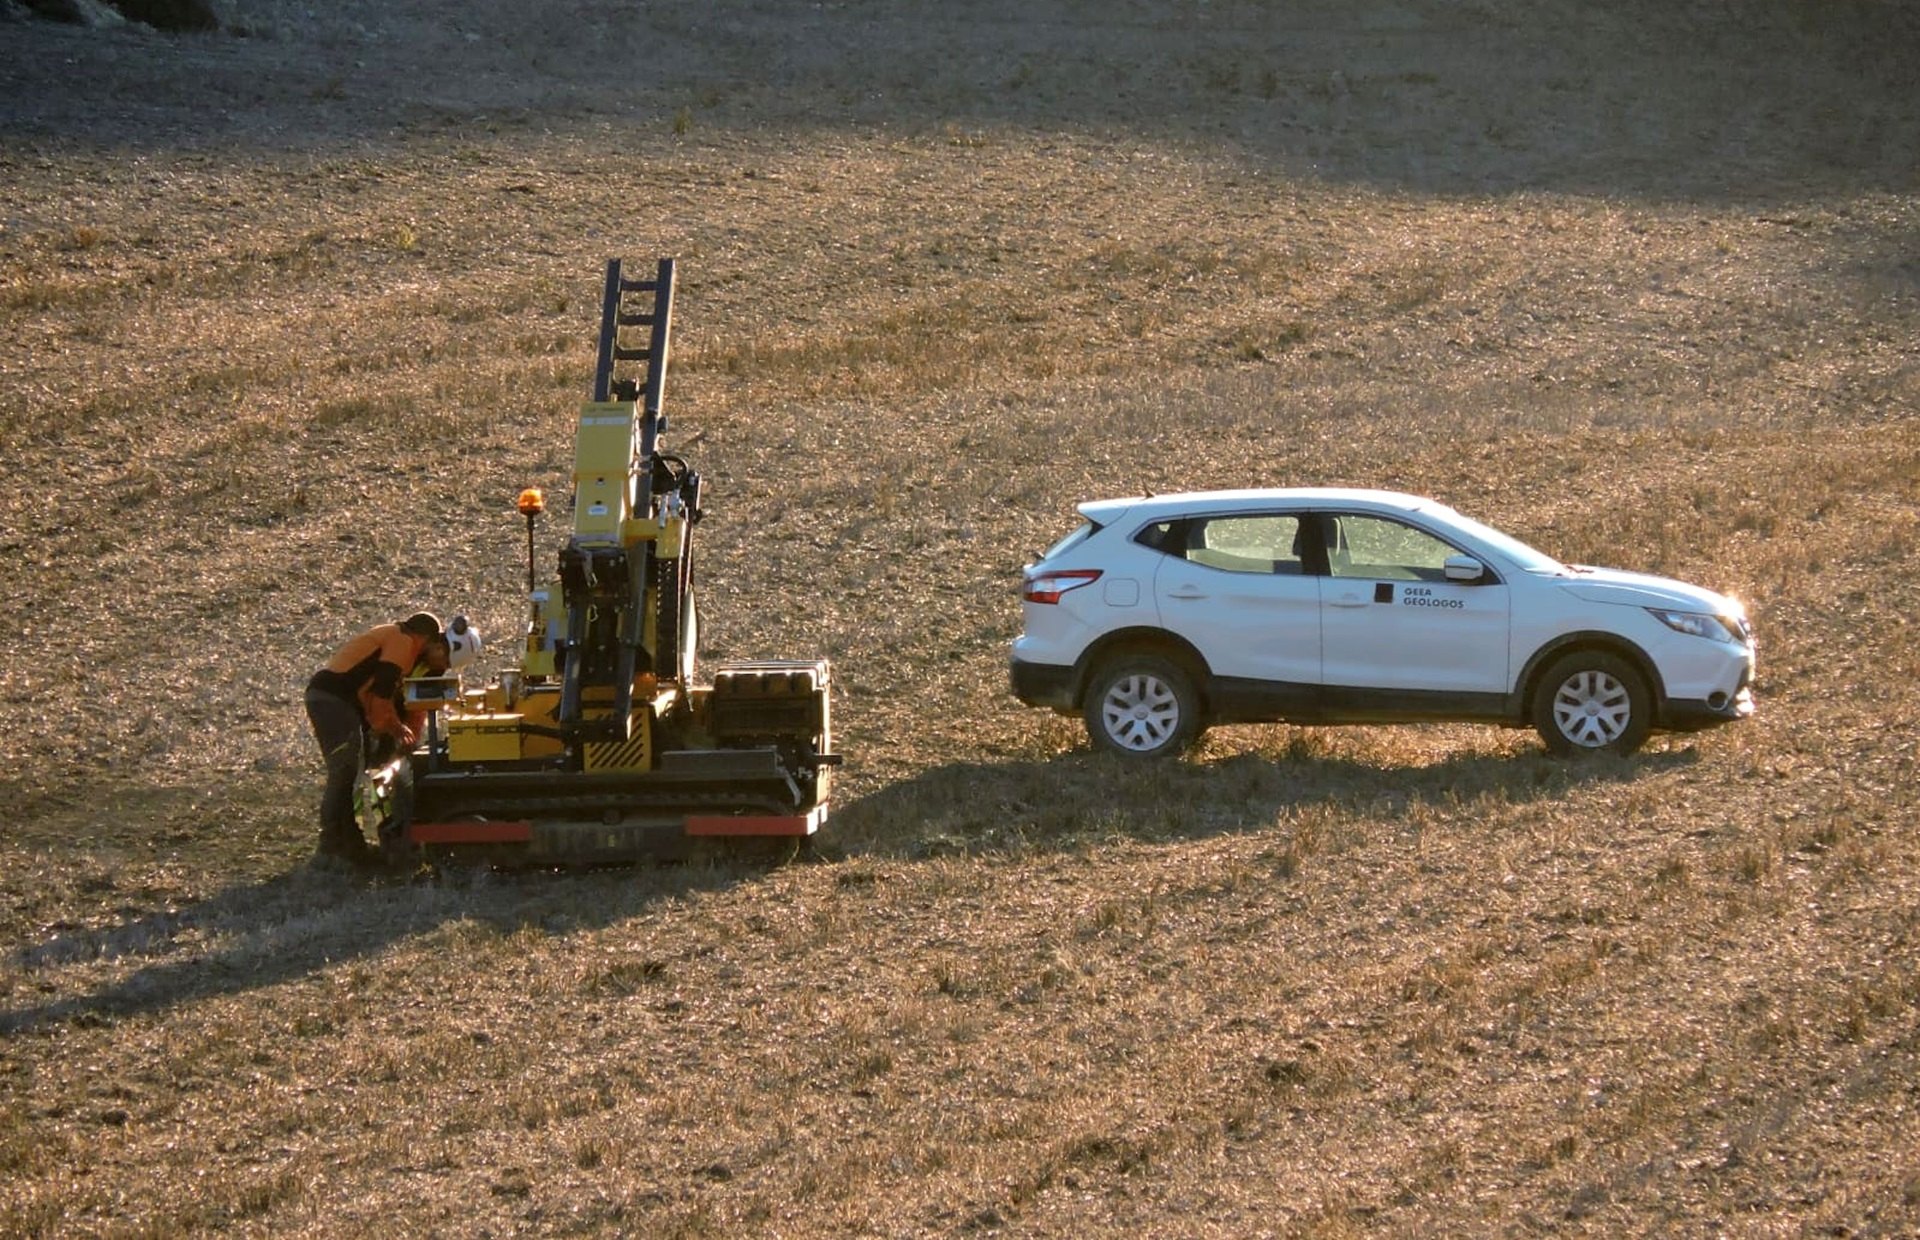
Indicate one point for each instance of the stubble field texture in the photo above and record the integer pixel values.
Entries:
(290, 312)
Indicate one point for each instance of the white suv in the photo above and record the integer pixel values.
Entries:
(1159, 617)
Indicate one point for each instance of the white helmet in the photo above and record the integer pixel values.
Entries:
(463, 643)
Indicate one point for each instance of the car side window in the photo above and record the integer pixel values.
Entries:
(1381, 549)
(1256, 543)
(1166, 537)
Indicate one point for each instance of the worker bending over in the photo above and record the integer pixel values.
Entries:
(357, 705)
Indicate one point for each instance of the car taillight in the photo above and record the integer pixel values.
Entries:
(1048, 587)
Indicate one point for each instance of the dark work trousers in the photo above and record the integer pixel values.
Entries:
(342, 734)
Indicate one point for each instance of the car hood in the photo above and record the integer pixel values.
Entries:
(1612, 585)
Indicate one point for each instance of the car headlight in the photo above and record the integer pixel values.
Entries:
(1700, 624)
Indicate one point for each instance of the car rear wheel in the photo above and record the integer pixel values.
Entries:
(1142, 706)
(1591, 701)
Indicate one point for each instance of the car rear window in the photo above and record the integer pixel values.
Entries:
(1086, 530)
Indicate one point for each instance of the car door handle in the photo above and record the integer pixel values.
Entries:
(1186, 592)
(1349, 600)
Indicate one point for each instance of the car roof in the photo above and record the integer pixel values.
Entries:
(1185, 503)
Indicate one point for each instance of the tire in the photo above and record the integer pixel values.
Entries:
(1142, 706)
(1592, 702)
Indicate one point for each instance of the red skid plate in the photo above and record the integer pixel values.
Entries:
(473, 832)
(755, 824)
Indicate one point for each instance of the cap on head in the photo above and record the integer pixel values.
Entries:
(422, 624)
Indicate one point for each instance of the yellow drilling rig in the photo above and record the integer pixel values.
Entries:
(603, 745)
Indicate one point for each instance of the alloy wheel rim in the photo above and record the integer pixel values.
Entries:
(1592, 709)
(1141, 712)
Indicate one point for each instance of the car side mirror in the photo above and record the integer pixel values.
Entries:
(1464, 569)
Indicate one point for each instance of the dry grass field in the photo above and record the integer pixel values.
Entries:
(290, 313)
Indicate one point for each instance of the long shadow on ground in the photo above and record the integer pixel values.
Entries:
(262, 933)
(1082, 796)
(259, 934)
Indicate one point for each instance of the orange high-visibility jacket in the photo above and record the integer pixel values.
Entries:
(370, 671)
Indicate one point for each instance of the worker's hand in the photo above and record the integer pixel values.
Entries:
(409, 736)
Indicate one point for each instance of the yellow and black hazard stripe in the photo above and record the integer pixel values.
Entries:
(631, 754)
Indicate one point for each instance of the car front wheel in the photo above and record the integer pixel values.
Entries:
(1142, 706)
(1592, 702)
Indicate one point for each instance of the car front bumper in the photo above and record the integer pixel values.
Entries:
(1693, 714)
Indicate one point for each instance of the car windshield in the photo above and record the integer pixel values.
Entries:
(1528, 558)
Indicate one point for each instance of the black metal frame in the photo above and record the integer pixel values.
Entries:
(602, 579)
